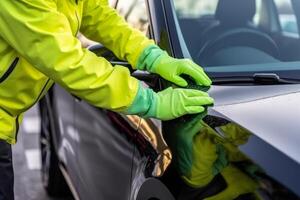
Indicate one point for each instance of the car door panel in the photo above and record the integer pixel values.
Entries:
(64, 135)
(103, 153)
(152, 157)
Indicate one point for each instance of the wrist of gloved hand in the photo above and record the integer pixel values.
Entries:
(143, 104)
(148, 57)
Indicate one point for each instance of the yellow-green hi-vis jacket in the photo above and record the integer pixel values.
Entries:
(38, 46)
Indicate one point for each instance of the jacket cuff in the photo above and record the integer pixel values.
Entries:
(144, 104)
(148, 57)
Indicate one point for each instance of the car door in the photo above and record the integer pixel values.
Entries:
(63, 136)
(104, 152)
(152, 156)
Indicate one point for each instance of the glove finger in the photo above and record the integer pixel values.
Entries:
(200, 76)
(194, 109)
(179, 81)
(200, 101)
(197, 73)
(194, 93)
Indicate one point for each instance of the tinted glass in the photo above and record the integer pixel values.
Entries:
(287, 16)
(239, 33)
(192, 9)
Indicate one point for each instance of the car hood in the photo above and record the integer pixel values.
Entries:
(271, 112)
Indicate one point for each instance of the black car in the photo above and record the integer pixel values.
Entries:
(254, 63)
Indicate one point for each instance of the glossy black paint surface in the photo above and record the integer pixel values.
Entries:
(103, 155)
(270, 113)
(101, 151)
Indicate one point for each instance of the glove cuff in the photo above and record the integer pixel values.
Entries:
(148, 57)
(144, 104)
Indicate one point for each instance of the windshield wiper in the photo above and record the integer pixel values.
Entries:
(257, 78)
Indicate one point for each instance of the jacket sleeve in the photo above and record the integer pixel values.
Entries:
(44, 38)
(103, 24)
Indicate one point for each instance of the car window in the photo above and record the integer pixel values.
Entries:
(257, 16)
(196, 9)
(135, 13)
(287, 18)
(202, 8)
(206, 9)
(236, 34)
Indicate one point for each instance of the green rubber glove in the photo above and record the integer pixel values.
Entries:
(155, 60)
(169, 103)
(173, 103)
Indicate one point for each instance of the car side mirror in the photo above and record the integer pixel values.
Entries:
(100, 50)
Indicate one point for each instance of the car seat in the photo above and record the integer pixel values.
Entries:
(235, 29)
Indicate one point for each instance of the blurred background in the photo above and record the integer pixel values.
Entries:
(26, 158)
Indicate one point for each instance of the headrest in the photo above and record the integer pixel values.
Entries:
(235, 12)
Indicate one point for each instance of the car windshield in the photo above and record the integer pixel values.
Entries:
(226, 36)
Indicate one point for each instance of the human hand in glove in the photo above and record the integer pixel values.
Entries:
(155, 60)
(169, 103)
(173, 103)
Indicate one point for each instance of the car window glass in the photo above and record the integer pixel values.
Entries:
(287, 18)
(203, 15)
(135, 13)
(203, 8)
(196, 9)
(257, 16)
(235, 33)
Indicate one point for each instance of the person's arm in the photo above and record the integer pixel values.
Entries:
(103, 24)
(43, 36)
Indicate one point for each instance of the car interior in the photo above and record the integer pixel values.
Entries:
(232, 36)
